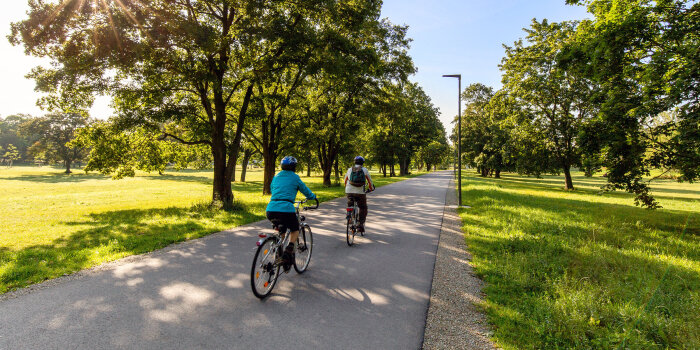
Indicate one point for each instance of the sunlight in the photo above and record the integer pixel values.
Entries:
(56, 11)
(133, 18)
(111, 23)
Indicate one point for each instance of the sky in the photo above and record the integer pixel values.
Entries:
(449, 37)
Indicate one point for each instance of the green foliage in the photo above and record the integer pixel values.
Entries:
(434, 154)
(644, 56)
(121, 154)
(580, 270)
(10, 134)
(405, 121)
(53, 133)
(556, 100)
(10, 155)
(204, 73)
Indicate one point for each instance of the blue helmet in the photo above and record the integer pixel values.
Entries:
(289, 163)
(359, 160)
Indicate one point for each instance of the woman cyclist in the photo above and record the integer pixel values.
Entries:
(281, 211)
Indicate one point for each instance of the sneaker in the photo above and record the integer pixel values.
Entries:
(288, 257)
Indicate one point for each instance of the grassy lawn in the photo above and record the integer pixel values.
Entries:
(52, 223)
(577, 269)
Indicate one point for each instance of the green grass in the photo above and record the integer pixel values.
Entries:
(52, 224)
(579, 269)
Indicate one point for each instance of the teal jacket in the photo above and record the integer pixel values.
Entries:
(284, 190)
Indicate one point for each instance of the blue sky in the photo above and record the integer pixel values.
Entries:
(449, 37)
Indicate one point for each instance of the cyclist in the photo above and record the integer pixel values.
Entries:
(356, 180)
(280, 211)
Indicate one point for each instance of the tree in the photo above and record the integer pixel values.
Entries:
(434, 154)
(119, 153)
(10, 134)
(556, 98)
(644, 56)
(406, 121)
(185, 70)
(11, 155)
(53, 134)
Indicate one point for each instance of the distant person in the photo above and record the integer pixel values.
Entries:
(280, 211)
(358, 182)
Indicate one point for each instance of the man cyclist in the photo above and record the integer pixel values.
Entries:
(280, 211)
(356, 180)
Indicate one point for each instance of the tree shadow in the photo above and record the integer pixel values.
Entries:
(552, 185)
(557, 182)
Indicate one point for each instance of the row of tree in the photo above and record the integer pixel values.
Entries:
(42, 140)
(206, 81)
(618, 92)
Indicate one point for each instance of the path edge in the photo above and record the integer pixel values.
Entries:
(453, 319)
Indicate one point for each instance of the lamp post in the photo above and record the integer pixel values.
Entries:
(459, 132)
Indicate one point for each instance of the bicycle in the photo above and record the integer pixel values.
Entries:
(353, 222)
(268, 256)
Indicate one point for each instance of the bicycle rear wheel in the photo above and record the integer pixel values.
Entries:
(350, 232)
(264, 272)
(305, 244)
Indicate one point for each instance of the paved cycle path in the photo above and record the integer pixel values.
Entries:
(197, 294)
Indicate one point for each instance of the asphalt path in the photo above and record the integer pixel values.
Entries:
(197, 294)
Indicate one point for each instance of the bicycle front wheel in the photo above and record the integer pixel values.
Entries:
(305, 244)
(350, 232)
(264, 272)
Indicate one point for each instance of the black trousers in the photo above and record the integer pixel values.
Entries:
(284, 220)
(361, 200)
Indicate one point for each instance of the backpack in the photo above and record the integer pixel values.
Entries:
(357, 176)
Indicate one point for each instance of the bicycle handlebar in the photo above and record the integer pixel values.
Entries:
(309, 208)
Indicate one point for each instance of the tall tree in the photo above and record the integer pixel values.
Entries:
(556, 98)
(186, 69)
(644, 54)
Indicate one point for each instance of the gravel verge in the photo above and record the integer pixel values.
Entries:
(454, 321)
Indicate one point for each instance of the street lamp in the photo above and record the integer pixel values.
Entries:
(459, 131)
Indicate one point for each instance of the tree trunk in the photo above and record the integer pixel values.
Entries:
(247, 153)
(233, 169)
(567, 177)
(337, 172)
(403, 165)
(308, 169)
(384, 169)
(327, 157)
(393, 171)
(270, 161)
(222, 184)
(427, 166)
(327, 171)
(498, 173)
(67, 163)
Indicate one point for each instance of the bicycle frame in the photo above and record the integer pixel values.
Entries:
(282, 239)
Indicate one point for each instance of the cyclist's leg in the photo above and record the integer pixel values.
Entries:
(351, 199)
(291, 223)
(362, 204)
(276, 220)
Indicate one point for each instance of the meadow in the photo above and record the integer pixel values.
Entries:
(53, 224)
(584, 269)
